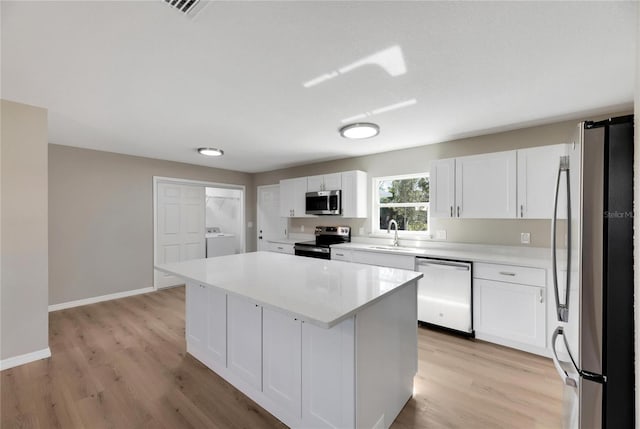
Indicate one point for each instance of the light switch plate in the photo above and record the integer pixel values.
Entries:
(525, 237)
(361, 230)
(301, 228)
(441, 234)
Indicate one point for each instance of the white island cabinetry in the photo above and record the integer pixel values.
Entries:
(323, 344)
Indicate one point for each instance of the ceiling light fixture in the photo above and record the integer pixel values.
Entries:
(210, 151)
(361, 130)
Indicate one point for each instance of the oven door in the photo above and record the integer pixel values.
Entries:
(313, 252)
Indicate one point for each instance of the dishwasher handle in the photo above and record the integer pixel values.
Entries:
(443, 265)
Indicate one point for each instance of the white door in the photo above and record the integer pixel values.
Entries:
(244, 340)
(442, 188)
(509, 312)
(196, 313)
(486, 186)
(332, 182)
(315, 183)
(180, 234)
(282, 360)
(537, 176)
(270, 224)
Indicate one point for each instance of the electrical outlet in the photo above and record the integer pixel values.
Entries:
(301, 228)
(525, 237)
(361, 230)
(441, 234)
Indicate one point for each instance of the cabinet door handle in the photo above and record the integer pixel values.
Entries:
(541, 296)
(458, 211)
(507, 273)
(450, 211)
(339, 254)
(521, 211)
(280, 248)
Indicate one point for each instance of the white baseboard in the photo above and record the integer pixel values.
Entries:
(25, 358)
(93, 300)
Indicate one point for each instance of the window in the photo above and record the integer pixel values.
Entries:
(403, 198)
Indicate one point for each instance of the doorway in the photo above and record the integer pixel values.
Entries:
(270, 224)
(181, 209)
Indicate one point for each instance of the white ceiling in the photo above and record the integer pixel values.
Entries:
(138, 78)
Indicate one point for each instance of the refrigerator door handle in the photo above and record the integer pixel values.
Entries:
(588, 375)
(556, 362)
(562, 310)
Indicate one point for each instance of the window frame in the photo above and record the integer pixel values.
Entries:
(375, 205)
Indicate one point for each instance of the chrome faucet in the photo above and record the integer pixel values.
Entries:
(395, 237)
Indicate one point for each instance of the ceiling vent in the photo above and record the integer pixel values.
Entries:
(186, 7)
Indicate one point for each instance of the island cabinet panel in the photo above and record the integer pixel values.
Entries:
(328, 372)
(244, 342)
(282, 360)
(196, 320)
(386, 358)
(216, 326)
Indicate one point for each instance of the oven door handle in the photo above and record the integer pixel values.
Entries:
(311, 249)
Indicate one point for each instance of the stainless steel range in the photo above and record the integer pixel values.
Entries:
(325, 237)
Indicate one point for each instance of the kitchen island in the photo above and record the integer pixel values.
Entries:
(317, 343)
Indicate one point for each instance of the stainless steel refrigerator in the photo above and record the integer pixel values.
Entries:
(592, 273)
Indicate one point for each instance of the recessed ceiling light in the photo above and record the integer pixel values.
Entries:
(210, 151)
(361, 130)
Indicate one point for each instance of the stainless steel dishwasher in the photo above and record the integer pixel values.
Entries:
(444, 294)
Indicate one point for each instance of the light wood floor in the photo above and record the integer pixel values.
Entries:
(122, 364)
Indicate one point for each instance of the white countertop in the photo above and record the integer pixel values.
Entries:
(218, 234)
(284, 240)
(317, 291)
(510, 255)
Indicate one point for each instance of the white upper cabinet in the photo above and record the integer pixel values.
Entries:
(325, 182)
(292, 197)
(537, 176)
(442, 188)
(352, 183)
(486, 186)
(354, 194)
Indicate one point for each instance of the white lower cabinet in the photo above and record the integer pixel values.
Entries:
(511, 314)
(341, 255)
(216, 325)
(328, 374)
(196, 322)
(282, 360)
(244, 341)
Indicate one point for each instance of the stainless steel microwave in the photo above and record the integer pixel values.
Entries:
(323, 203)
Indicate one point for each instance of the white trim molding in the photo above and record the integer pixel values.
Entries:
(95, 299)
(25, 358)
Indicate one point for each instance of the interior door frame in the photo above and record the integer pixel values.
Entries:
(258, 188)
(178, 181)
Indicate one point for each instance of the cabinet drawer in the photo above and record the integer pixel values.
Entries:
(281, 248)
(385, 260)
(510, 273)
(341, 255)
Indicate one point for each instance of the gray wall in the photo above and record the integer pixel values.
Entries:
(416, 160)
(101, 219)
(24, 280)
